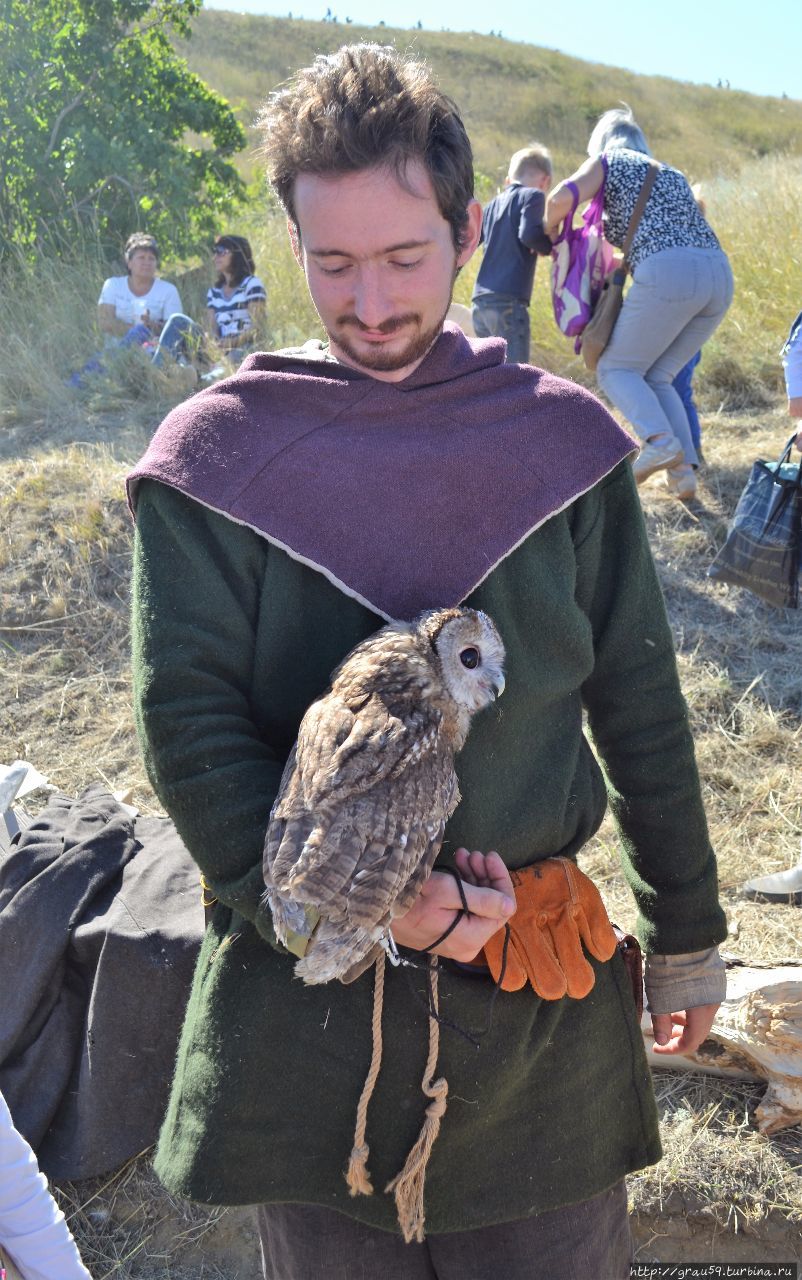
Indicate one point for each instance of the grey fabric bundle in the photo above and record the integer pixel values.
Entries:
(100, 925)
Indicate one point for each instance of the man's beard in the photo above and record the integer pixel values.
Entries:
(388, 361)
(382, 361)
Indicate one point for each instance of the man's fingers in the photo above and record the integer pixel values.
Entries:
(441, 890)
(471, 866)
(698, 1022)
(498, 874)
(663, 1026)
(485, 870)
(489, 904)
(468, 938)
(684, 1031)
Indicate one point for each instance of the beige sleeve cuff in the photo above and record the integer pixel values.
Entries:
(684, 981)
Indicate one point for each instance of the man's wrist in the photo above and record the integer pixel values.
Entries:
(684, 981)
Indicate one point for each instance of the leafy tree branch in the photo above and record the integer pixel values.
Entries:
(95, 100)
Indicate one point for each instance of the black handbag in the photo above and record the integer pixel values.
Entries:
(762, 550)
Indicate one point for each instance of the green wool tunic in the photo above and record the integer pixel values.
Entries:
(232, 641)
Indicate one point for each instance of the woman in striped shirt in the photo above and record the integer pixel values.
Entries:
(236, 301)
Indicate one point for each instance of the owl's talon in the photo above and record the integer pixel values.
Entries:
(388, 943)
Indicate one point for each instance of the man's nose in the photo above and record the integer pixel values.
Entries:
(371, 303)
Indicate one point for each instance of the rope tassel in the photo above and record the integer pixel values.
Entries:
(408, 1185)
(357, 1176)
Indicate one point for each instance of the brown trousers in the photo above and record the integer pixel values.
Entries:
(584, 1241)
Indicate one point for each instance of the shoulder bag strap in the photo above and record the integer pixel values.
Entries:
(640, 205)
(785, 457)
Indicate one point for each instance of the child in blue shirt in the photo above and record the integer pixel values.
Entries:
(512, 235)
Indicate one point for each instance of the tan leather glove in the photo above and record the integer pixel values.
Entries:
(558, 910)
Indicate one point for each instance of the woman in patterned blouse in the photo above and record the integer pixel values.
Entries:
(680, 291)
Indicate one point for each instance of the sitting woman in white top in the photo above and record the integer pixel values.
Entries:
(236, 301)
(133, 309)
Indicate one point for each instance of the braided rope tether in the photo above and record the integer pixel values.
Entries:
(357, 1176)
(408, 1184)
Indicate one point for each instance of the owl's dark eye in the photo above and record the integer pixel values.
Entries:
(469, 658)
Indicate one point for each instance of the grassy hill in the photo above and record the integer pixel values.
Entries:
(510, 93)
(745, 149)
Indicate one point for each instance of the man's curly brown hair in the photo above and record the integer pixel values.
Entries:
(363, 107)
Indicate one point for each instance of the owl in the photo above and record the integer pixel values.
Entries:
(370, 784)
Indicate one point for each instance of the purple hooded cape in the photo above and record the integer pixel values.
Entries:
(406, 495)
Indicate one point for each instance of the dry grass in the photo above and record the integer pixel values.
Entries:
(65, 558)
(65, 545)
(129, 1228)
(741, 668)
(740, 1184)
(65, 698)
(722, 1191)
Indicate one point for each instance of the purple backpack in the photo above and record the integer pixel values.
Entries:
(581, 261)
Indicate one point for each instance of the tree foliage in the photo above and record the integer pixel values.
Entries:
(106, 130)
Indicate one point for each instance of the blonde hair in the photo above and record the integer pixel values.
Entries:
(535, 157)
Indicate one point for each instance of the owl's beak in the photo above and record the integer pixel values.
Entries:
(497, 684)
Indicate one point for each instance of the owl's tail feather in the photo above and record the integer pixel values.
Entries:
(337, 952)
(288, 916)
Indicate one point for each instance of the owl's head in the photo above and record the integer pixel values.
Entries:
(469, 653)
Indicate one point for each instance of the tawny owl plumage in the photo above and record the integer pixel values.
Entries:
(370, 783)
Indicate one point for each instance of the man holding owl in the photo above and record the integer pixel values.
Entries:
(283, 516)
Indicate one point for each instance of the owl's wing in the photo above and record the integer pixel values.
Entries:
(316, 837)
(394, 865)
(344, 751)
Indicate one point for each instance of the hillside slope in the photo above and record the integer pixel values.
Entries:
(508, 92)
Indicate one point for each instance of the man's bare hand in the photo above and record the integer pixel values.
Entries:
(682, 1032)
(485, 871)
(491, 901)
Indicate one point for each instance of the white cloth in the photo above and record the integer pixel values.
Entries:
(161, 300)
(33, 1230)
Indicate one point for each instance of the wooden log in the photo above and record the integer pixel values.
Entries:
(756, 1035)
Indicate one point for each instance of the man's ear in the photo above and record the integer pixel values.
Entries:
(295, 241)
(471, 234)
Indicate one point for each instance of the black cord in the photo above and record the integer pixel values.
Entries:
(463, 909)
(472, 1038)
